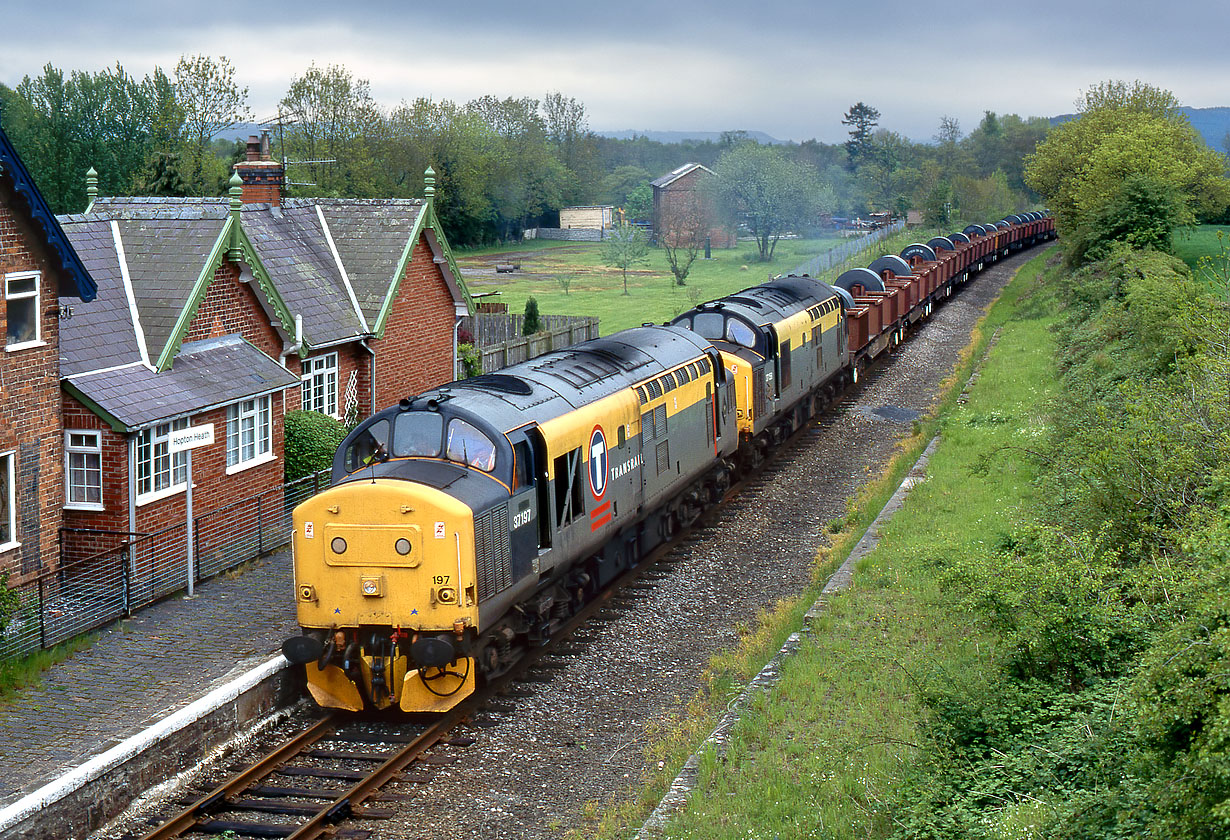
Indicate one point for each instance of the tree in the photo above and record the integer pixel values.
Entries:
(863, 118)
(333, 117)
(623, 248)
(639, 203)
(532, 323)
(211, 100)
(685, 224)
(770, 192)
(1124, 134)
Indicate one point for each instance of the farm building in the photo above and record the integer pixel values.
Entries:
(227, 313)
(685, 210)
(38, 266)
(594, 217)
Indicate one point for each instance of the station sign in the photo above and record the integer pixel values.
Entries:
(193, 437)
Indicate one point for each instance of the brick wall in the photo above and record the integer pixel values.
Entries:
(29, 404)
(416, 352)
(682, 201)
(212, 487)
(232, 307)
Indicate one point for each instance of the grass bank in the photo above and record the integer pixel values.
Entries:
(813, 757)
(823, 755)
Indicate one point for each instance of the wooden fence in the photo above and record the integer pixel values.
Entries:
(498, 336)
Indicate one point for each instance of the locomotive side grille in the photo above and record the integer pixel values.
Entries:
(758, 395)
(491, 552)
(663, 456)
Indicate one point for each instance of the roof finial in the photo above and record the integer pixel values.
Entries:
(91, 188)
(429, 184)
(236, 193)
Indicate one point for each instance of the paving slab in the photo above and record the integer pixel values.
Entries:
(142, 668)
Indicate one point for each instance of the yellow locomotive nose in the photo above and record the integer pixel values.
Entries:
(379, 566)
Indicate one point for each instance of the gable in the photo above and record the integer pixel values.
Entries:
(22, 197)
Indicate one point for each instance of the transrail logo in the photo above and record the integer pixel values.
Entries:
(598, 465)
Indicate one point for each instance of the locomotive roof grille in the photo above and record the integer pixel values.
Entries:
(501, 382)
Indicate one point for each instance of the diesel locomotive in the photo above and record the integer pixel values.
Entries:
(465, 525)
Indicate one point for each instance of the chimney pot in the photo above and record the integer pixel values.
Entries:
(254, 147)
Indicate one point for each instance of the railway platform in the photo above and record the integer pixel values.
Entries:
(141, 669)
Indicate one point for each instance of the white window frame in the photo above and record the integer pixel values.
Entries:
(322, 370)
(9, 297)
(257, 413)
(158, 439)
(85, 450)
(8, 507)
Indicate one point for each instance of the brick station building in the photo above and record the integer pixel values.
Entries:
(685, 209)
(37, 266)
(230, 312)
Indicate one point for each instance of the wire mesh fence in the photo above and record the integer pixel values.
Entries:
(846, 250)
(90, 589)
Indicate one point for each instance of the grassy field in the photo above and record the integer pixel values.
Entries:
(822, 756)
(1202, 241)
(597, 290)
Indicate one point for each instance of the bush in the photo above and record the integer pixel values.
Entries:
(471, 361)
(532, 321)
(311, 440)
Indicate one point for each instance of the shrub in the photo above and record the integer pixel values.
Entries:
(532, 321)
(471, 361)
(311, 439)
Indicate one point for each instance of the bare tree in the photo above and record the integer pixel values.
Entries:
(210, 100)
(623, 248)
(684, 226)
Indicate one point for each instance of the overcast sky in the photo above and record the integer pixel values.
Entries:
(786, 67)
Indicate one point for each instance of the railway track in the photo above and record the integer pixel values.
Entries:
(328, 779)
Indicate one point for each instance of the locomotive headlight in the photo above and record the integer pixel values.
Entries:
(371, 586)
(338, 545)
(402, 546)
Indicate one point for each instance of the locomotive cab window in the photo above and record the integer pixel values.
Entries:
(418, 433)
(467, 445)
(710, 325)
(738, 332)
(371, 445)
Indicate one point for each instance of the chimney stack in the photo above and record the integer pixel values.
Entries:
(263, 178)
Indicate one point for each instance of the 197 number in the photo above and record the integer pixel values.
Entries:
(440, 580)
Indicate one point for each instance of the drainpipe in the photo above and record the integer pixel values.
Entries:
(456, 330)
(363, 343)
(298, 345)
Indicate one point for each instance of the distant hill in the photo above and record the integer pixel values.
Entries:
(1212, 123)
(681, 136)
(242, 131)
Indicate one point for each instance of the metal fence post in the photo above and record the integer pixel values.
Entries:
(126, 578)
(260, 528)
(42, 617)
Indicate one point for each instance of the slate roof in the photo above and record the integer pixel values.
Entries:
(677, 173)
(14, 171)
(100, 335)
(206, 374)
